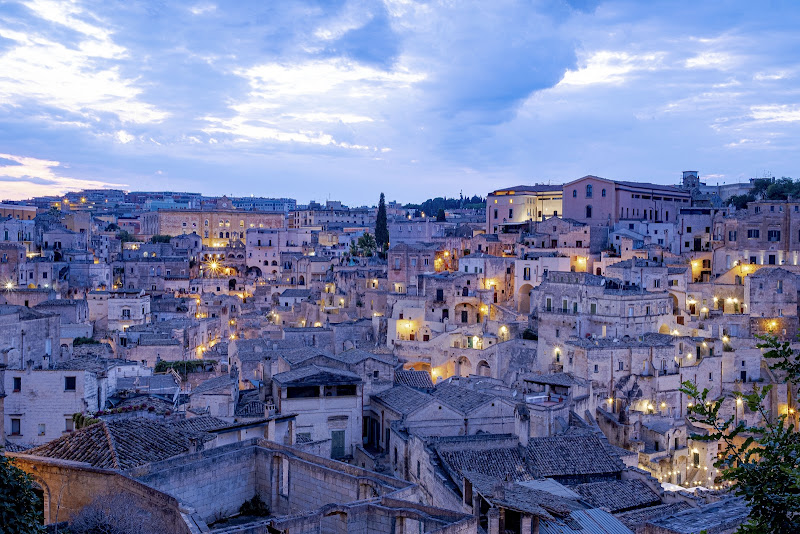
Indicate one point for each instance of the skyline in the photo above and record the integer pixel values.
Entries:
(354, 98)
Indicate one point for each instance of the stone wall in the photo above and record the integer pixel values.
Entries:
(69, 486)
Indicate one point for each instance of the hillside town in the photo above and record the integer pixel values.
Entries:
(512, 365)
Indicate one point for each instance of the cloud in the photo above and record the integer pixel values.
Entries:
(26, 177)
(76, 74)
(607, 66)
(304, 102)
(776, 113)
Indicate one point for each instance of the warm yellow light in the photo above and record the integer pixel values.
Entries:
(317, 324)
(446, 253)
(739, 401)
(663, 404)
(9, 285)
(214, 265)
(725, 339)
(503, 328)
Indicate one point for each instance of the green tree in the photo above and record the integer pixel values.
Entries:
(381, 226)
(125, 236)
(367, 244)
(440, 215)
(19, 505)
(761, 461)
(740, 201)
(160, 238)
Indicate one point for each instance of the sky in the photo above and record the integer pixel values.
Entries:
(347, 99)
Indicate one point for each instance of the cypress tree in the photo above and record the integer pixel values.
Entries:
(381, 226)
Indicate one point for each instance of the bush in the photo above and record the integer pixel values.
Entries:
(84, 341)
(255, 507)
(115, 514)
(19, 505)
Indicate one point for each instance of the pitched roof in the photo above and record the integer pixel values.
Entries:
(635, 518)
(499, 463)
(574, 454)
(459, 398)
(414, 379)
(120, 444)
(403, 399)
(202, 423)
(213, 384)
(316, 375)
(618, 495)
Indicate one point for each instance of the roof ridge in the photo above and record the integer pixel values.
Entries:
(112, 445)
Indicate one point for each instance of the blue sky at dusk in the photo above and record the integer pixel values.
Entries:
(346, 99)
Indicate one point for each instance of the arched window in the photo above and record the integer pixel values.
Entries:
(588, 190)
(588, 212)
(603, 193)
(574, 193)
(205, 223)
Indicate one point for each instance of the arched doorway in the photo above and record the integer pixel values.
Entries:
(463, 366)
(524, 298)
(484, 369)
(232, 284)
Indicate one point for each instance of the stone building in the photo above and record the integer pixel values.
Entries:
(766, 233)
(217, 226)
(515, 206)
(603, 202)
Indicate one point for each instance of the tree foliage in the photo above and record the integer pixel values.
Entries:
(125, 236)
(432, 206)
(381, 226)
(767, 189)
(440, 216)
(19, 505)
(761, 461)
(161, 238)
(366, 245)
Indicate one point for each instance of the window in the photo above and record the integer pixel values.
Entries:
(574, 193)
(16, 427)
(126, 313)
(69, 383)
(621, 365)
(593, 308)
(42, 429)
(656, 283)
(69, 424)
(603, 193)
(773, 235)
(588, 190)
(753, 234)
(588, 212)
(630, 311)
(780, 286)
(510, 213)
(375, 374)
(495, 214)
(526, 273)
(595, 368)
(688, 229)
(17, 383)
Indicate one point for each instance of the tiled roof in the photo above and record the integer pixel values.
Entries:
(403, 399)
(296, 293)
(414, 379)
(591, 521)
(571, 455)
(499, 463)
(312, 375)
(721, 516)
(202, 423)
(213, 384)
(121, 444)
(635, 518)
(618, 495)
(460, 399)
(354, 356)
(149, 383)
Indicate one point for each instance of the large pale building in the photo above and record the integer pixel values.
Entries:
(217, 225)
(602, 202)
(515, 206)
